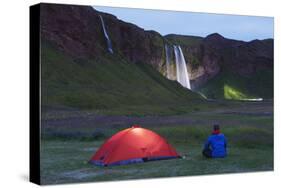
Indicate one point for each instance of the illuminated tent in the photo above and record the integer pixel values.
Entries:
(133, 145)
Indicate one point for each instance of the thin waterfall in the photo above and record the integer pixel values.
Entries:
(182, 74)
(185, 74)
(109, 45)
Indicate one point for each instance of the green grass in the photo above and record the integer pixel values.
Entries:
(66, 150)
(247, 132)
(66, 162)
(109, 84)
(227, 85)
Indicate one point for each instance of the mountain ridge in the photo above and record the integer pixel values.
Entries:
(78, 32)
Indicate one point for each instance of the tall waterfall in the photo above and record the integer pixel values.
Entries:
(182, 74)
(109, 45)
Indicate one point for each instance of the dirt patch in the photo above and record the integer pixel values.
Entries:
(91, 120)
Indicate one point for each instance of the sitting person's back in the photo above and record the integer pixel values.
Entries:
(215, 146)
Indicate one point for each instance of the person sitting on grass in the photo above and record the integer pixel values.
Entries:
(215, 146)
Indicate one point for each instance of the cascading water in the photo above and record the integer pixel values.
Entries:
(109, 45)
(182, 74)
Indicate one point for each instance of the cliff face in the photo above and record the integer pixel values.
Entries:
(72, 28)
(209, 56)
(77, 30)
(78, 71)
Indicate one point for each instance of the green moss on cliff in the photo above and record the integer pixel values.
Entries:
(227, 85)
(194, 62)
(183, 40)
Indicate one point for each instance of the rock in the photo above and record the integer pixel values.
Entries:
(77, 31)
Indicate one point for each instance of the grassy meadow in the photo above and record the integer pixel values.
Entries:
(70, 138)
(85, 101)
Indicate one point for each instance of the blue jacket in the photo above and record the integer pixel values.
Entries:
(217, 143)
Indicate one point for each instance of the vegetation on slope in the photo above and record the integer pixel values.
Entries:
(228, 85)
(184, 40)
(110, 84)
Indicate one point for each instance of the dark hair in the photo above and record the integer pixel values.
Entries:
(216, 127)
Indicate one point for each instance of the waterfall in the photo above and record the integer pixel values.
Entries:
(182, 74)
(109, 45)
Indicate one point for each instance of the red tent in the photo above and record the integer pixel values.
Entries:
(133, 145)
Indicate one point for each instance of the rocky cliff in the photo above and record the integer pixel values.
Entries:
(209, 56)
(77, 31)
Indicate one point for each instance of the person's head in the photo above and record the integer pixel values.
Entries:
(216, 127)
